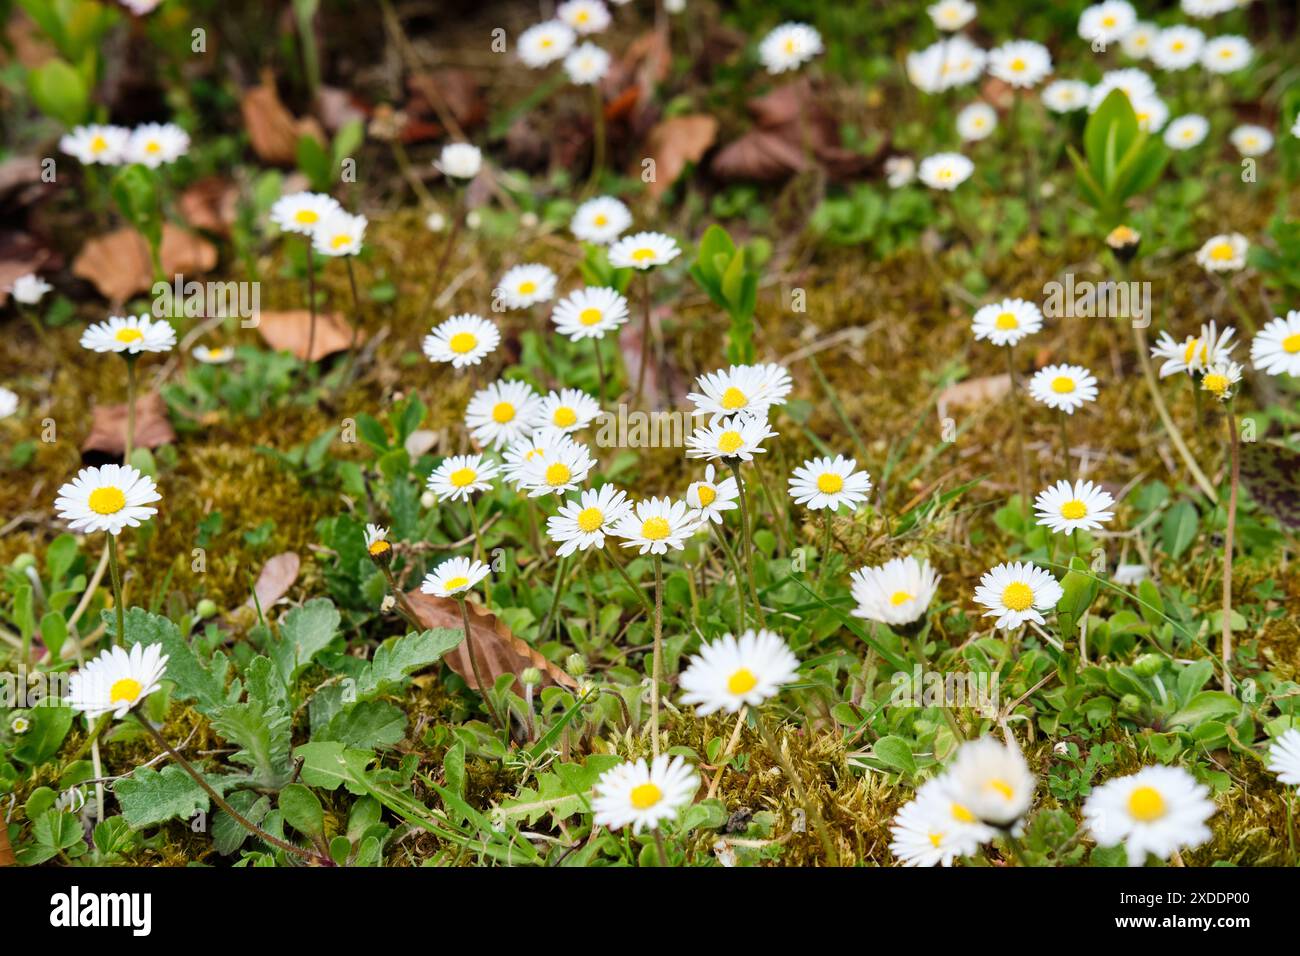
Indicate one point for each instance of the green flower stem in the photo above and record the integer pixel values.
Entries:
(725, 756)
(598, 137)
(1065, 443)
(645, 338)
(779, 755)
(609, 554)
(311, 300)
(129, 443)
(600, 368)
(115, 573)
(403, 605)
(1234, 453)
(1022, 461)
(560, 580)
(458, 213)
(483, 686)
(479, 550)
(826, 545)
(657, 668)
(216, 798)
(735, 572)
(734, 464)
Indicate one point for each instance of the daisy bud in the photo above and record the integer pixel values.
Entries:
(388, 603)
(23, 562)
(531, 676)
(428, 499)
(205, 609)
(1148, 665)
(1130, 705)
(575, 665)
(1124, 242)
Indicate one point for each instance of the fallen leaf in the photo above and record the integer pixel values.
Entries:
(974, 392)
(290, 331)
(211, 204)
(454, 90)
(1272, 475)
(7, 857)
(108, 426)
(19, 255)
(272, 129)
(498, 651)
(118, 263)
(278, 575)
(337, 107)
(673, 143)
(21, 174)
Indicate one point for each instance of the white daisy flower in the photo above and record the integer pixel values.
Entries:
(1284, 757)
(1104, 23)
(741, 389)
(1017, 592)
(131, 334)
(1275, 350)
(29, 289)
(8, 402)
(1202, 9)
(1223, 253)
(976, 121)
(302, 212)
(377, 543)
(895, 593)
(590, 313)
(1157, 810)
(945, 171)
(454, 576)
(1226, 54)
(155, 144)
(933, 829)
(655, 525)
(117, 680)
(339, 234)
(459, 161)
(1066, 508)
(1065, 96)
(600, 220)
(102, 145)
(1063, 387)
(1177, 47)
(1251, 140)
(584, 16)
(586, 65)
(949, 63)
(1130, 575)
(1006, 322)
(543, 44)
(951, 15)
(900, 171)
(568, 410)
(19, 724)
(1151, 113)
(789, 47)
(215, 355)
(460, 476)
(1134, 83)
(502, 412)
(1186, 131)
(992, 780)
(564, 467)
(526, 285)
(644, 250)
(1195, 353)
(729, 674)
(709, 498)
(464, 339)
(738, 437)
(1137, 42)
(108, 498)
(641, 796)
(583, 523)
(1021, 63)
(821, 483)
(1221, 378)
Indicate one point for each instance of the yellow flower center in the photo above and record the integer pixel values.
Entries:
(590, 519)
(455, 583)
(733, 398)
(527, 287)
(945, 174)
(1225, 53)
(379, 547)
(1190, 352)
(961, 813)
(1216, 383)
(98, 144)
(644, 254)
(582, 16)
(216, 354)
(655, 529)
(1007, 321)
(1063, 385)
(547, 43)
(589, 316)
(935, 839)
(153, 147)
(900, 597)
(1073, 510)
(1291, 344)
(463, 342)
(306, 216)
(564, 417)
(462, 477)
(1108, 21)
(503, 412)
(742, 682)
(729, 441)
(645, 796)
(1224, 251)
(600, 219)
(1002, 787)
(1018, 65)
(127, 336)
(558, 474)
(708, 494)
(107, 500)
(1146, 804)
(127, 689)
(830, 483)
(1017, 596)
(339, 241)
(1179, 46)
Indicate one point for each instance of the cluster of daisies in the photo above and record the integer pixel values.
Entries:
(955, 61)
(150, 144)
(329, 228)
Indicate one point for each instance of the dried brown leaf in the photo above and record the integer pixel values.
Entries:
(291, 331)
(108, 426)
(673, 143)
(272, 129)
(212, 204)
(974, 392)
(118, 263)
(278, 575)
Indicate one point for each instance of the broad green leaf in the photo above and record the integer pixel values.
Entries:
(395, 659)
(149, 797)
(894, 753)
(302, 810)
(304, 632)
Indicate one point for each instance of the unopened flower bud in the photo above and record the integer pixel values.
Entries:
(205, 609)
(575, 665)
(1148, 665)
(531, 677)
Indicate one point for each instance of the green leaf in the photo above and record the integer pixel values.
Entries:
(149, 797)
(894, 753)
(1178, 528)
(49, 727)
(304, 632)
(302, 810)
(367, 725)
(264, 736)
(328, 765)
(58, 830)
(58, 90)
(1205, 705)
(399, 657)
(135, 190)
(560, 792)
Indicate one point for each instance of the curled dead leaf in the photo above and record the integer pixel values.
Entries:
(272, 129)
(291, 330)
(974, 392)
(278, 575)
(118, 263)
(499, 652)
(673, 143)
(108, 427)
(211, 204)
